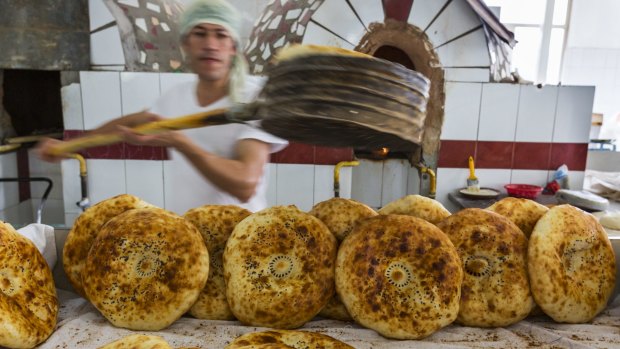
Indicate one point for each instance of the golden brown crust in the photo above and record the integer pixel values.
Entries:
(340, 215)
(417, 206)
(28, 302)
(283, 339)
(145, 269)
(85, 230)
(215, 223)
(495, 290)
(335, 310)
(571, 265)
(138, 341)
(296, 51)
(400, 276)
(522, 212)
(279, 268)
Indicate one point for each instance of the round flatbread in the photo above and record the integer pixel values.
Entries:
(215, 223)
(279, 268)
(571, 265)
(417, 206)
(400, 276)
(86, 228)
(611, 220)
(334, 309)
(495, 290)
(145, 269)
(340, 215)
(522, 212)
(28, 302)
(287, 339)
(138, 341)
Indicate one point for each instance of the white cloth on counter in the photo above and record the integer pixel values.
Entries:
(43, 238)
(81, 326)
(605, 184)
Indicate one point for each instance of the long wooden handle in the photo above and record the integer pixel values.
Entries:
(210, 118)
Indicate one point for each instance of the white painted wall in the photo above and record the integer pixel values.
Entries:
(592, 57)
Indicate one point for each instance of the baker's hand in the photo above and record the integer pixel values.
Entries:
(43, 150)
(163, 139)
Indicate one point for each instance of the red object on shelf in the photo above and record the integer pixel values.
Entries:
(526, 191)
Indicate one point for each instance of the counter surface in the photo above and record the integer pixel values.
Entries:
(81, 326)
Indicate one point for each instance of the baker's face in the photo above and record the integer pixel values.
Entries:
(209, 49)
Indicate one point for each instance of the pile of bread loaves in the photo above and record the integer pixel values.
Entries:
(405, 271)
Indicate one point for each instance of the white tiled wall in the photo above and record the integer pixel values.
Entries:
(369, 11)
(9, 191)
(498, 112)
(145, 179)
(536, 177)
(315, 34)
(39, 168)
(462, 111)
(106, 47)
(455, 20)
(101, 97)
(106, 178)
(73, 118)
(138, 91)
(507, 112)
(339, 17)
(573, 103)
(395, 176)
(469, 51)
(295, 185)
(423, 12)
(536, 115)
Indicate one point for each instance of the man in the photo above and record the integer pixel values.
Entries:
(212, 165)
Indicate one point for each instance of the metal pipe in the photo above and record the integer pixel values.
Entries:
(34, 179)
(84, 203)
(337, 174)
(433, 179)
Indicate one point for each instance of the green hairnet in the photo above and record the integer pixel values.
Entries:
(219, 12)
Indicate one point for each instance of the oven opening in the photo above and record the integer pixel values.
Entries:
(32, 100)
(396, 55)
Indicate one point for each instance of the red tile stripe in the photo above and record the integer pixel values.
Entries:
(397, 9)
(295, 153)
(513, 155)
(119, 151)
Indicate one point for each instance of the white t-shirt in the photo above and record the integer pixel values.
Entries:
(184, 186)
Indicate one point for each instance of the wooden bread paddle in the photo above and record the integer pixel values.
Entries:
(318, 95)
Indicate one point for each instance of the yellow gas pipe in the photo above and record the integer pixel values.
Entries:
(84, 203)
(432, 191)
(337, 174)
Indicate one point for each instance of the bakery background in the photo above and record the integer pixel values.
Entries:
(123, 54)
